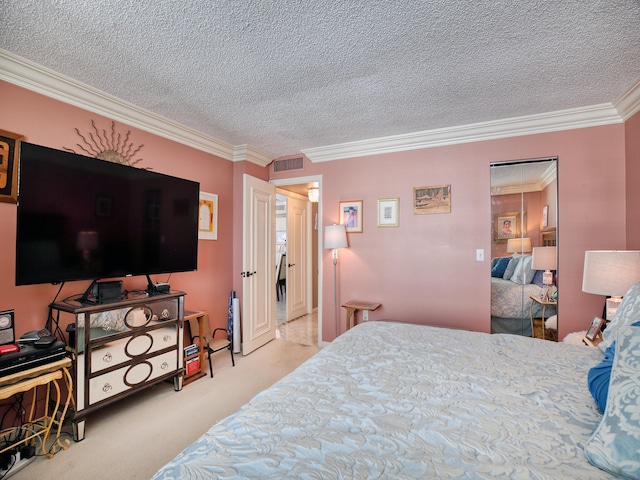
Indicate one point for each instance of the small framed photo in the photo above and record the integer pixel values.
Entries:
(388, 212)
(208, 216)
(351, 215)
(594, 329)
(9, 158)
(432, 199)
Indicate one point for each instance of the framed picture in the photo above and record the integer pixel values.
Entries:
(388, 212)
(506, 226)
(433, 199)
(351, 215)
(594, 329)
(9, 157)
(545, 216)
(208, 216)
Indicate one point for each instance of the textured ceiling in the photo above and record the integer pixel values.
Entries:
(287, 75)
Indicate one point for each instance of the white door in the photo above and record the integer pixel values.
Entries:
(258, 264)
(297, 258)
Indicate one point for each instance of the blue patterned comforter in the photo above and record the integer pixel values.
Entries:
(392, 400)
(511, 300)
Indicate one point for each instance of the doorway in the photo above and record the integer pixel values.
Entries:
(295, 325)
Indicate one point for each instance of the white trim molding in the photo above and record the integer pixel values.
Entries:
(34, 77)
(596, 115)
(29, 75)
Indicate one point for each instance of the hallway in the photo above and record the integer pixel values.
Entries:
(302, 330)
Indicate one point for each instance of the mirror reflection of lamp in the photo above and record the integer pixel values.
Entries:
(519, 245)
(544, 258)
(610, 273)
(87, 242)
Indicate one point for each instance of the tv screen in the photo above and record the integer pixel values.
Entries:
(81, 218)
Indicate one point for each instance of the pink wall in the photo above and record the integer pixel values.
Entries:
(425, 270)
(48, 122)
(632, 176)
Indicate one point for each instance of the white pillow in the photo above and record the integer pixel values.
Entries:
(513, 263)
(523, 274)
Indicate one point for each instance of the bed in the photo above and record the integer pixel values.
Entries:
(394, 400)
(511, 287)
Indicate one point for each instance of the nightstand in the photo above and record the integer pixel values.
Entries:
(545, 304)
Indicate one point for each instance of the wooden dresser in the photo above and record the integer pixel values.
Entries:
(129, 345)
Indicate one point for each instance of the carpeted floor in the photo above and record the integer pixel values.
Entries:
(134, 437)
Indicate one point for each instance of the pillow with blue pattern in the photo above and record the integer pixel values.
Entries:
(615, 445)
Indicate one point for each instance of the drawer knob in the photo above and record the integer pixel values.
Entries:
(107, 358)
(107, 388)
(167, 338)
(164, 365)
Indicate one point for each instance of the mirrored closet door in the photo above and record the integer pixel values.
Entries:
(524, 209)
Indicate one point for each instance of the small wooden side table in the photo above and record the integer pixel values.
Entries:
(545, 304)
(47, 376)
(195, 317)
(353, 306)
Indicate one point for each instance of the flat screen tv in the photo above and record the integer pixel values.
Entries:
(81, 218)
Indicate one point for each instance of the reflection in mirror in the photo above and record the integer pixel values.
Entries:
(524, 211)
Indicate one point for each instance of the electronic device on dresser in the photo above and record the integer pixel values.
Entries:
(7, 334)
(82, 218)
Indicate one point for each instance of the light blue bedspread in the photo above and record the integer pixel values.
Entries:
(391, 400)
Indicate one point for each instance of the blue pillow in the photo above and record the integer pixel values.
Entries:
(537, 278)
(500, 267)
(599, 376)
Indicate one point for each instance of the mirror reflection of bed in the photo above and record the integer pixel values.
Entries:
(524, 219)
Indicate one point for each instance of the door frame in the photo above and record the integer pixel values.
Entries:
(308, 179)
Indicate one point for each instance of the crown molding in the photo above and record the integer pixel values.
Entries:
(628, 103)
(34, 77)
(251, 154)
(570, 119)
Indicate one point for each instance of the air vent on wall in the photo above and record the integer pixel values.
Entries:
(288, 164)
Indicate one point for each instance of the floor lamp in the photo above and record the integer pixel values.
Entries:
(335, 237)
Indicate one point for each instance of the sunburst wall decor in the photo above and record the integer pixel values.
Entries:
(110, 147)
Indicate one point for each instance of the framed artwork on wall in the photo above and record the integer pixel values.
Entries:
(9, 157)
(208, 216)
(545, 216)
(432, 199)
(506, 226)
(351, 215)
(388, 212)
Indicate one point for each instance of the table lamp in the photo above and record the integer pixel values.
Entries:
(519, 245)
(611, 273)
(544, 258)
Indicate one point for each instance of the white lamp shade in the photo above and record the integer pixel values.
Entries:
(519, 245)
(610, 272)
(335, 236)
(543, 258)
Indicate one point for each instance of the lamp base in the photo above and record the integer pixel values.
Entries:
(612, 307)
